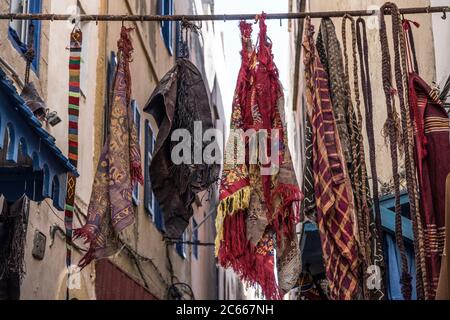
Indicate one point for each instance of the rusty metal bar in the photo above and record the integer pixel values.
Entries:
(217, 17)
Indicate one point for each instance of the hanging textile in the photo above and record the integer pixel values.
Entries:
(119, 170)
(443, 291)
(432, 155)
(403, 133)
(308, 212)
(180, 102)
(349, 123)
(433, 160)
(76, 39)
(258, 211)
(330, 53)
(335, 210)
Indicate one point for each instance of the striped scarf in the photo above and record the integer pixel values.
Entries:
(76, 39)
(432, 152)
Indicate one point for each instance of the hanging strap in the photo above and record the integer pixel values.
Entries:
(360, 171)
(413, 65)
(74, 111)
(363, 50)
(407, 133)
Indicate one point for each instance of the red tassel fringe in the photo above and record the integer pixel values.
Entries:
(239, 254)
(288, 215)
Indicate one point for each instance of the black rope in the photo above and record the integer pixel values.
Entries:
(30, 54)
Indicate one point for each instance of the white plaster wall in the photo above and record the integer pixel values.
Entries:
(441, 29)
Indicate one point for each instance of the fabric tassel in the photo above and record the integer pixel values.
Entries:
(227, 207)
(247, 260)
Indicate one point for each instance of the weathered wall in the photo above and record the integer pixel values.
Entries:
(151, 62)
(441, 30)
(46, 279)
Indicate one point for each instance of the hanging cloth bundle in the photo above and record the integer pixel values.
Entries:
(334, 200)
(119, 170)
(406, 135)
(432, 155)
(258, 211)
(180, 103)
(76, 39)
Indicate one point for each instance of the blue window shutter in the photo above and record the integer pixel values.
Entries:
(159, 219)
(150, 203)
(36, 7)
(148, 194)
(166, 7)
(181, 247)
(195, 239)
(112, 64)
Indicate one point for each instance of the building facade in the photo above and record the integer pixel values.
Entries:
(148, 266)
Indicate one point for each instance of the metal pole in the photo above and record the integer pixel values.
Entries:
(217, 17)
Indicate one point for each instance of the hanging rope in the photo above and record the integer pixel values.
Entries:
(363, 50)
(359, 159)
(30, 54)
(409, 53)
(406, 133)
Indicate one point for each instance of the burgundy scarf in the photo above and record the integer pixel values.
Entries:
(432, 151)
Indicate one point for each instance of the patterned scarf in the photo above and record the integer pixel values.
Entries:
(119, 169)
(257, 213)
(309, 208)
(76, 39)
(432, 151)
(330, 54)
(335, 211)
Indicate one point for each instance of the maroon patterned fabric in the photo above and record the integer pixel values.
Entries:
(335, 210)
(432, 135)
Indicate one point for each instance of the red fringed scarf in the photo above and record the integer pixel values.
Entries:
(258, 213)
(119, 170)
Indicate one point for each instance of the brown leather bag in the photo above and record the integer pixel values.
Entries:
(179, 100)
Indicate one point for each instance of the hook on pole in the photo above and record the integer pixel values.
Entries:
(444, 14)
